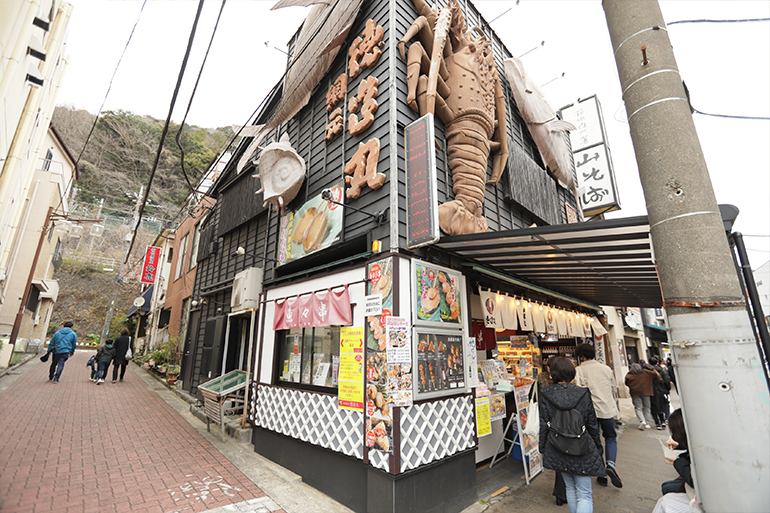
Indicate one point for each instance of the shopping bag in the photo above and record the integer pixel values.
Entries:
(532, 427)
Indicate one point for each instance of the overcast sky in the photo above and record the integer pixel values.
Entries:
(726, 67)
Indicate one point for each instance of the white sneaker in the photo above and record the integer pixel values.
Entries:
(641, 427)
(647, 426)
(102, 381)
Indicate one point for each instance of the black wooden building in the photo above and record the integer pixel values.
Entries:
(365, 479)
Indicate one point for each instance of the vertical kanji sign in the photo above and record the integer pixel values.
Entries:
(150, 267)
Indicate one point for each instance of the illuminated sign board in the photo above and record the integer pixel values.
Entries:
(421, 189)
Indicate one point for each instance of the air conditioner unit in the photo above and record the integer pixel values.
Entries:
(247, 286)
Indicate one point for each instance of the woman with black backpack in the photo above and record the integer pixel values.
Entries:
(569, 434)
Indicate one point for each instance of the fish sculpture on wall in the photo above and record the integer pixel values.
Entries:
(546, 129)
(323, 33)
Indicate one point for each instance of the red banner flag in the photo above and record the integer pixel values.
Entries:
(151, 264)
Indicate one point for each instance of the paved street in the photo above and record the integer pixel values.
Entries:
(79, 447)
(134, 446)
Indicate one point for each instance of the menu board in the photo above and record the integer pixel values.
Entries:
(440, 363)
(437, 295)
(421, 187)
(399, 355)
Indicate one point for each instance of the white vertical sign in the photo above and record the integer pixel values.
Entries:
(595, 176)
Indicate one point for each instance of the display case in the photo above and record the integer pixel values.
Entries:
(520, 355)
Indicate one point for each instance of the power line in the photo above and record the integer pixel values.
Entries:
(757, 118)
(109, 87)
(165, 127)
(747, 20)
(192, 95)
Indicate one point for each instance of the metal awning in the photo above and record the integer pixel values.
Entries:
(603, 262)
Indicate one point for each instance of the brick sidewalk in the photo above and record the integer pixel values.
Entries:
(79, 447)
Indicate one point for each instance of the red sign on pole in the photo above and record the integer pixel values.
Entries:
(150, 268)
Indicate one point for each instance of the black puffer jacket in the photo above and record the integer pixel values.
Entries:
(566, 396)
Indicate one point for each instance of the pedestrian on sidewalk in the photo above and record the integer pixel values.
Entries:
(600, 380)
(559, 488)
(104, 356)
(660, 388)
(94, 366)
(62, 344)
(671, 375)
(639, 383)
(576, 470)
(122, 345)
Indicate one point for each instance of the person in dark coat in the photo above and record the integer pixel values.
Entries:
(104, 356)
(122, 344)
(660, 388)
(559, 488)
(576, 470)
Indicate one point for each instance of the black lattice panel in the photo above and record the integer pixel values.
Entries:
(435, 430)
(312, 418)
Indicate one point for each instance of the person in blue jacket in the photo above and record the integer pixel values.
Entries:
(62, 345)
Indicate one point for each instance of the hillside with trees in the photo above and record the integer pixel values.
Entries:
(114, 167)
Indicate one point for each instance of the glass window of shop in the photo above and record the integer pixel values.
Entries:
(308, 357)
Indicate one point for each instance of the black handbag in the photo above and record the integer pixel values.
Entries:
(44, 358)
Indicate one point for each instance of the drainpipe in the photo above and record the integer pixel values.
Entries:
(22, 304)
(724, 395)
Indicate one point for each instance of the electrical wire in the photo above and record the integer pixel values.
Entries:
(192, 95)
(717, 21)
(109, 87)
(757, 118)
(298, 53)
(165, 127)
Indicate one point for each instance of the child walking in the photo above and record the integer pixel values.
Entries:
(94, 366)
(104, 356)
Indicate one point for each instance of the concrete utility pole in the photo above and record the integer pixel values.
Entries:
(724, 394)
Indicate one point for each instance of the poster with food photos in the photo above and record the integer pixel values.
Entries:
(437, 294)
(399, 356)
(497, 406)
(379, 281)
(440, 363)
(378, 408)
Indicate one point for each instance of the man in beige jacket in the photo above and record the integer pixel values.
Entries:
(599, 379)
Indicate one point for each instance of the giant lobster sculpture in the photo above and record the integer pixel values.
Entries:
(451, 72)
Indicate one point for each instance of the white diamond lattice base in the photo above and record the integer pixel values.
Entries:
(312, 418)
(435, 430)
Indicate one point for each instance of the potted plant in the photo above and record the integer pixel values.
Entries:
(172, 373)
